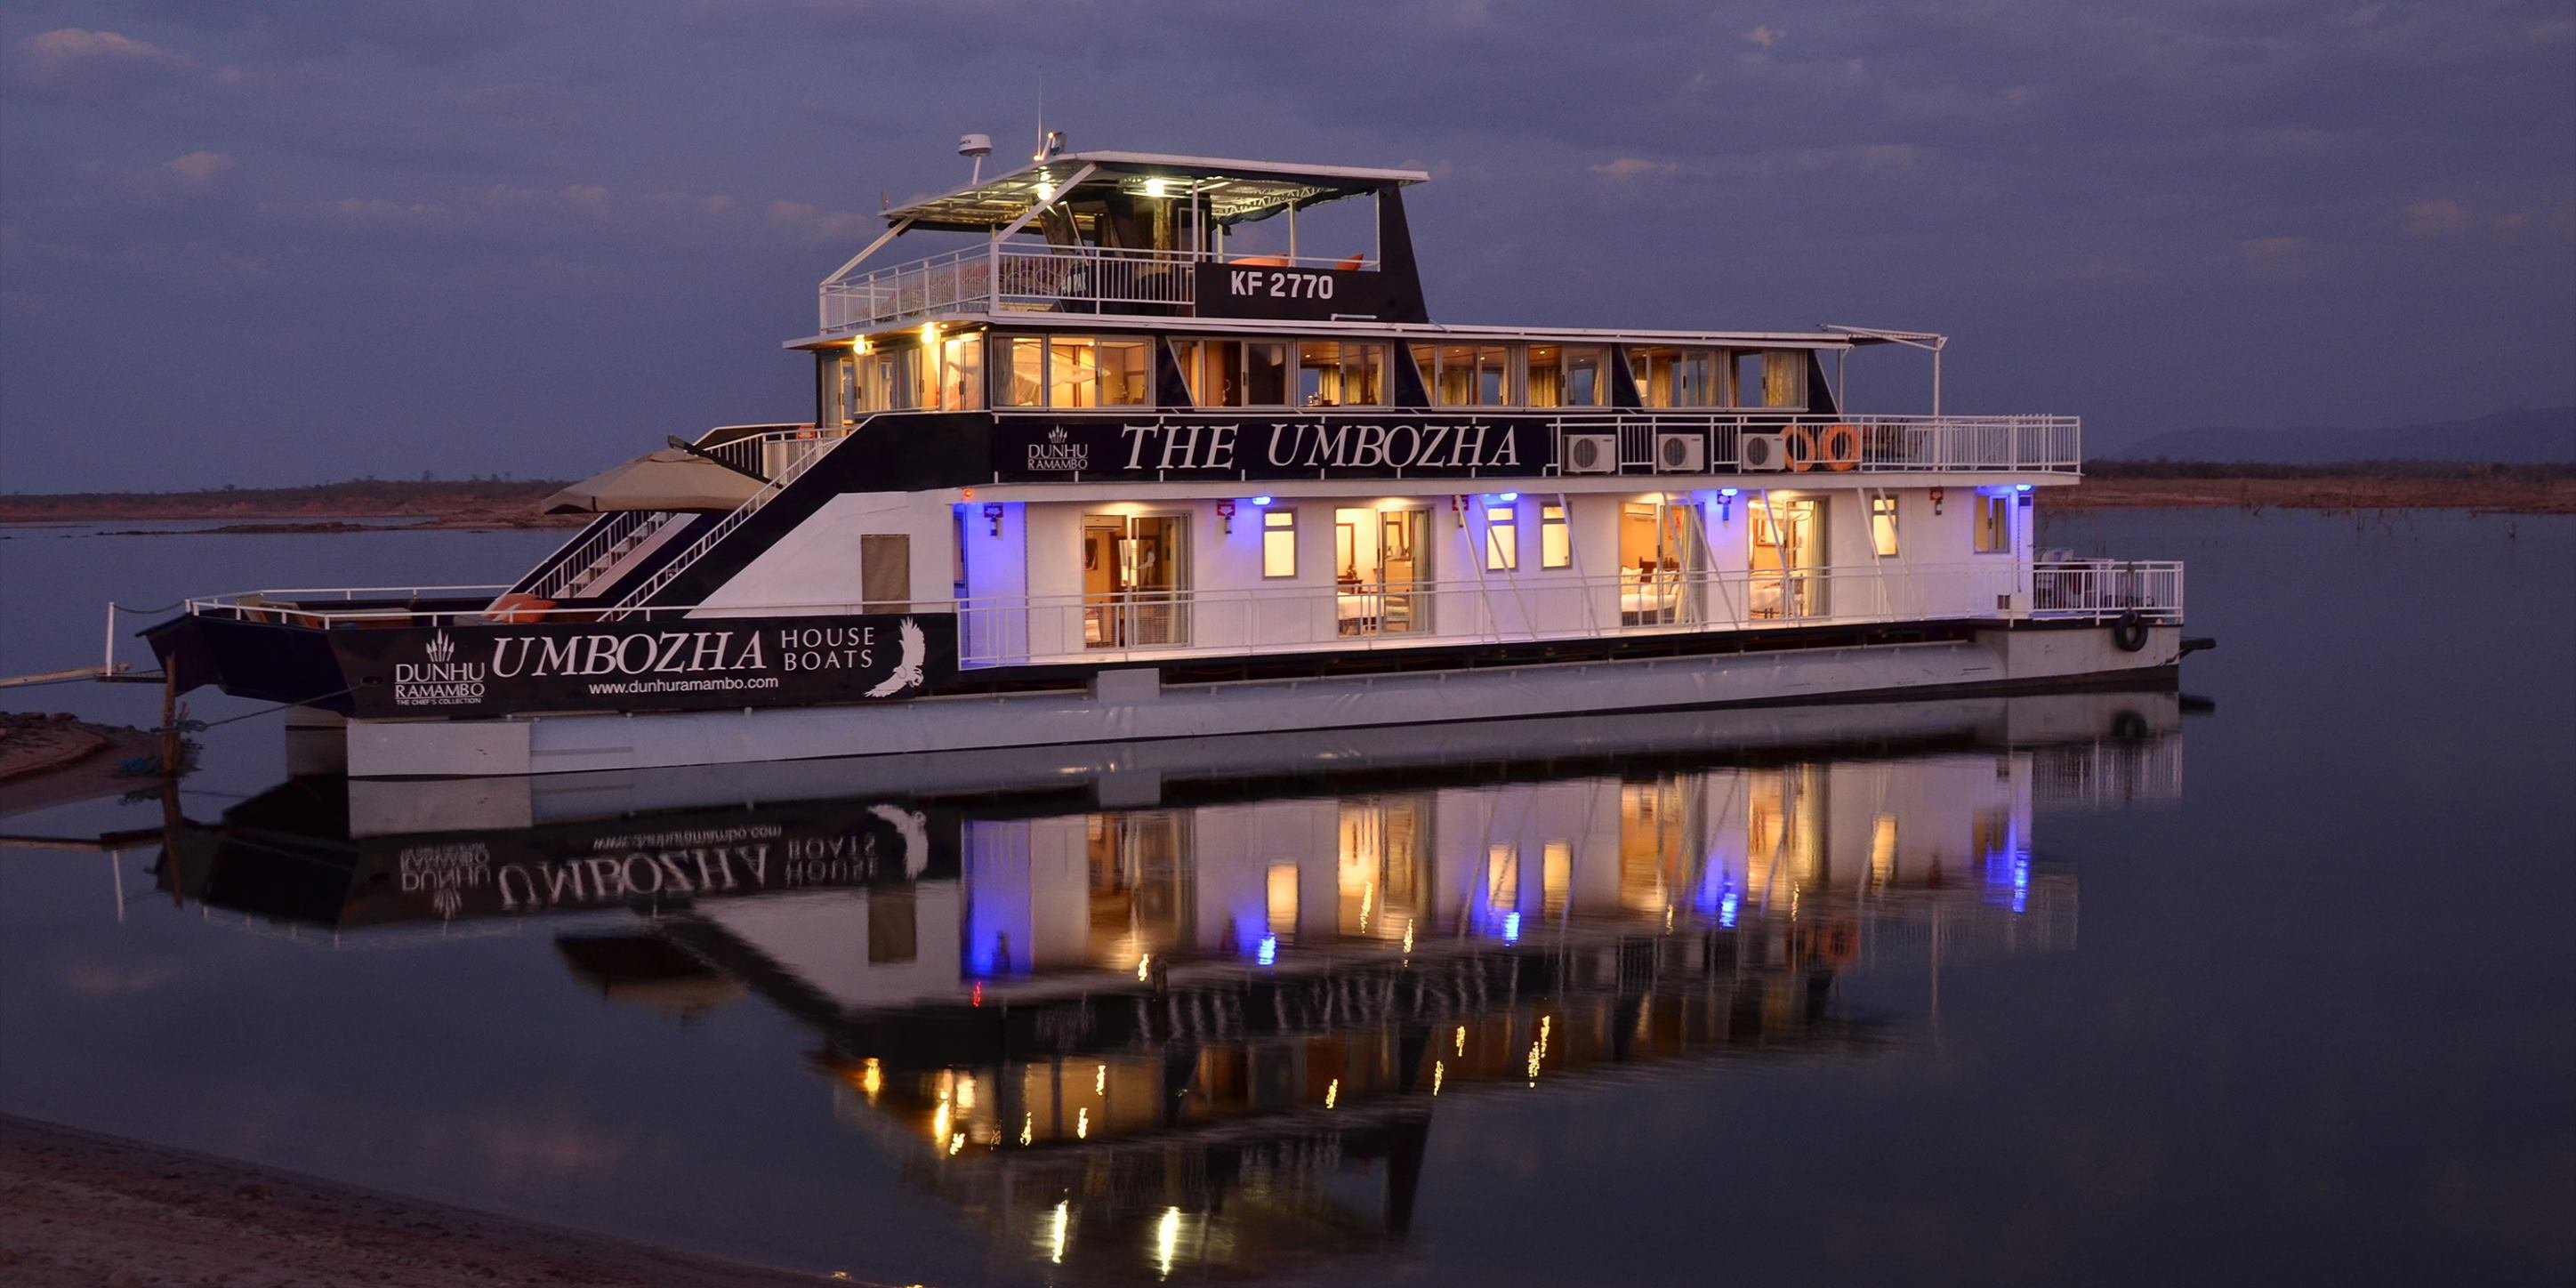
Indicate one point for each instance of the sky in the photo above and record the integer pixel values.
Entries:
(312, 239)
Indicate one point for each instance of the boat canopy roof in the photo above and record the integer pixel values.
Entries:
(1233, 191)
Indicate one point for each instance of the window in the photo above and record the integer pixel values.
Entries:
(1336, 373)
(1468, 375)
(885, 573)
(1994, 523)
(1882, 524)
(1502, 538)
(1568, 375)
(1674, 376)
(1235, 373)
(1279, 543)
(961, 373)
(1074, 371)
(1555, 541)
(957, 543)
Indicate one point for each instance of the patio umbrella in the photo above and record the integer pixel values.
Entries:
(670, 479)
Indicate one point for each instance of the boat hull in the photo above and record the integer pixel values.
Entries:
(1133, 705)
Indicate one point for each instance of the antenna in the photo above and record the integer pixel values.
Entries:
(978, 146)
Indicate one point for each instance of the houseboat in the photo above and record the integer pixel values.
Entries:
(1169, 447)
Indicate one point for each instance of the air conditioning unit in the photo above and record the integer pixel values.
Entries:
(1760, 452)
(1590, 454)
(1681, 454)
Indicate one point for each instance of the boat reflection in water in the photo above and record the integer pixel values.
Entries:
(1209, 1024)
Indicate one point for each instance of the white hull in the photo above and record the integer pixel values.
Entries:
(1126, 706)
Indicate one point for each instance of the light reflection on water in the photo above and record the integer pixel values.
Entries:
(1822, 1008)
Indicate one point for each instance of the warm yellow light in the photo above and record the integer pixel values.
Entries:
(1533, 1064)
(1082, 1124)
(1332, 1093)
(1061, 1226)
(929, 333)
(939, 1122)
(1100, 1081)
(1438, 1068)
(1046, 192)
(1462, 1040)
(871, 1079)
(1167, 1236)
(965, 1093)
(1157, 188)
(1544, 1023)
(859, 345)
(1408, 934)
(1028, 1127)
(1144, 968)
(956, 1142)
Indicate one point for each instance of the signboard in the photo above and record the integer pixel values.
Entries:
(676, 664)
(1393, 443)
(1240, 290)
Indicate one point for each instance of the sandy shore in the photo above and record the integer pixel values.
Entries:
(83, 1210)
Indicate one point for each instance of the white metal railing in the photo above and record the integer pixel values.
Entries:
(1821, 446)
(1165, 624)
(577, 563)
(2107, 589)
(991, 278)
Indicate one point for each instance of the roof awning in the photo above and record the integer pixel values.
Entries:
(1234, 191)
(669, 479)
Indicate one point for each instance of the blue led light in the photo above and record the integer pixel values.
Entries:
(1261, 500)
(1509, 497)
(1268, 953)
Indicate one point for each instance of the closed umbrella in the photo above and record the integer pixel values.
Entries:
(670, 479)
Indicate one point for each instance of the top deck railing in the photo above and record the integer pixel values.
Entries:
(991, 279)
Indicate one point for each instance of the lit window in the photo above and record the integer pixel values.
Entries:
(1994, 524)
(1882, 524)
(1073, 371)
(1502, 538)
(1279, 543)
(1555, 541)
(1024, 371)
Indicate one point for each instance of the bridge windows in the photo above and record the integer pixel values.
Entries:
(1073, 371)
(1568, 375)
(1469, 375)
(1340, 373)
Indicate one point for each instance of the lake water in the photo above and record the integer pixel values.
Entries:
(2098, 989)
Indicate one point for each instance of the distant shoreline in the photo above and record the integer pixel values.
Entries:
(2108, 484)
(323, 507)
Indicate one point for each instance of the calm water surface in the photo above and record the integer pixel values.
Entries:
(2080, 990)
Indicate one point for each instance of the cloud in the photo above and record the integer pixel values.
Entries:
(2438, 218)
(1631, 169)
(2276, 258)
(71, 62)
(197, 169)
(816, 224)
(1764, 36)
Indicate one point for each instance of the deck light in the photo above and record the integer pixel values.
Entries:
(1157, 188)
(859, 345)
(1261, 500)
(2021, 487)
(929, 333)
(1509, 497)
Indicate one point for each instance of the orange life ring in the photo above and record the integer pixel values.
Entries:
(516, 608)
(1800, 442)
(1840, 447)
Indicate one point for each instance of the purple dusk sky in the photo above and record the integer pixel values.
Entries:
(311, 239)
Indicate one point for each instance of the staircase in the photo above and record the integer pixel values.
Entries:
(602, 554)
(807, 451)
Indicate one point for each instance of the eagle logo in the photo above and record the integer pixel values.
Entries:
(907, 671)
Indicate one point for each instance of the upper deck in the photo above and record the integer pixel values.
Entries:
(1142, 234)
